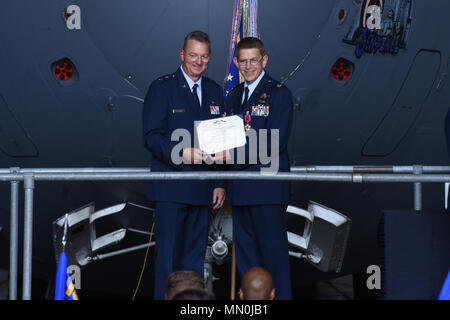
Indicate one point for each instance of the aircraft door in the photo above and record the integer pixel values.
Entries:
(407, 105)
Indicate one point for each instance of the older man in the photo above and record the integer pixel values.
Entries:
(259, 206)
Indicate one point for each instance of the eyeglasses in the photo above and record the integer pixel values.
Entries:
(253, 62)
(194, 57)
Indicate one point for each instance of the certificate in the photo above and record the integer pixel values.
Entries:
(220, 134)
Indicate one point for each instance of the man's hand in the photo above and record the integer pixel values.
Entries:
(218, 197)
(193, 155)
(221, 157)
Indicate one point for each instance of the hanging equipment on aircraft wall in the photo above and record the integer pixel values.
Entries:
(382, 27)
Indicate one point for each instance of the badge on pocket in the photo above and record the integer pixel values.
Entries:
(174, 111)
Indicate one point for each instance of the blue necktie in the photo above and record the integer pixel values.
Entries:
(194, 91)
(245, 98)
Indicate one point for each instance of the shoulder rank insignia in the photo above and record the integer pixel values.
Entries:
(166, 77)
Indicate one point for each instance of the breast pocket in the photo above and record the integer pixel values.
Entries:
(258, 122)
(180, 118)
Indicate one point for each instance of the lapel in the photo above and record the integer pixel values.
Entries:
(239, 92)
(186, 93)
(205, 111)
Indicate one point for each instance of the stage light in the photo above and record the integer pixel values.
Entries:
(75, 233)
(324, 238)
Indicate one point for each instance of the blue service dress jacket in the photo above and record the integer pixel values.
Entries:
(269, 107)
(170, 105)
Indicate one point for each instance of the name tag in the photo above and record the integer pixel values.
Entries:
(215, 110)
(260, 111)
(178, 111)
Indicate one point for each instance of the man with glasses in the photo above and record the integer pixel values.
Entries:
(182, 208)
(259, 206)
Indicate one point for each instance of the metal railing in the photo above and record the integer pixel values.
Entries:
(416, 174)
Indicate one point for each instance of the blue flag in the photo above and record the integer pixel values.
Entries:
(244, 24)
(64, 288)
(232, 77)
(445, 291)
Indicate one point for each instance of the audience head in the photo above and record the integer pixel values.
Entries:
(182, 280)
(257, 284)
(193, 294)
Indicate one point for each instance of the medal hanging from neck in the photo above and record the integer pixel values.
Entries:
(247, 121)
